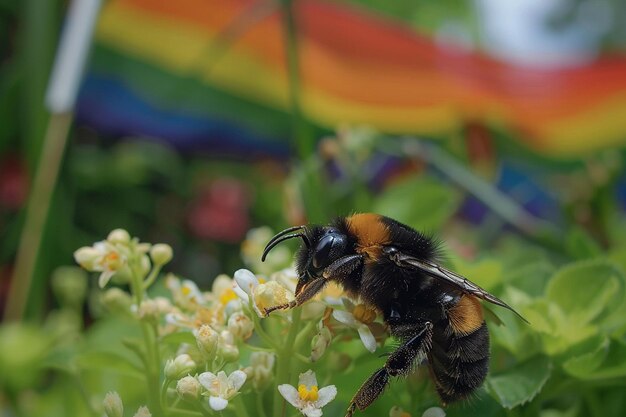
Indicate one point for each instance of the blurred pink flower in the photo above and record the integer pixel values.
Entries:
(221, 211)
(13, 182)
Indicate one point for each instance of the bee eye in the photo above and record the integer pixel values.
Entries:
(322, 251)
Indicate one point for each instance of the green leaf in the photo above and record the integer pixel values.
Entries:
(179, 338)
(486, 272)
(613, 365)
(580, 245)
(515, 335)
(586, 289)
(530, 277)
(109, 361)
(557, 330)
(582, 366)
(422, 203)
(520, 384)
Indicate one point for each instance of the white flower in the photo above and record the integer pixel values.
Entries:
(221, 388)
(268, 295)
(104, 257)
(111, 255)
(263, 295)
(185, 294)
(307, 397)
(361, 318)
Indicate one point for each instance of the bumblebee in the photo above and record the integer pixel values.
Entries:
(434, 313)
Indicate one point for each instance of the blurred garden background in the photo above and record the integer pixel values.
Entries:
(498, 126)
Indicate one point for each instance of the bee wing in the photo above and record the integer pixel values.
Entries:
(455, 280)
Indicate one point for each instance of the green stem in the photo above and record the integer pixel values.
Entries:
(200, 407)
(163, 398)
(152, 277)
(240, 407)
(149, 338)
(183, 412)
(304, 334)
(258, 348)
(260, 409)
(258, 328)
(304, 140)
(152, 375)
(75, 376)
(301, 358)
(283, 365)
(37, 214)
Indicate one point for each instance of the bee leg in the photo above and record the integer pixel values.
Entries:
(308, 292)
(343, 266)
(399, 363)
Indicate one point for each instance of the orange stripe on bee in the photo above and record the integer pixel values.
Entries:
(371, 234)
(466, 316)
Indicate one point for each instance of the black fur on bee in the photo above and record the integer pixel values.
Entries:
(434, 313)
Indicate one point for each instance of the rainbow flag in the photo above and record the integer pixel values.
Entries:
(155, 71)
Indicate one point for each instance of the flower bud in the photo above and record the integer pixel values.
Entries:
(69, 284)
(260, 370)
(120, 236)
(113, 406)
(86, 257)
(320, 342)
(188, 388)
(145, 265)
(179, 366)
(230, 353)
(116, 300)
(240, 326)
(434, 412)
(207, 340)
(161, 253)
(227, 348)
(143, 412)
(246, 282)
(148, 311)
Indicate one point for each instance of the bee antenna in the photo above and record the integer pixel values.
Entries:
(282, 236)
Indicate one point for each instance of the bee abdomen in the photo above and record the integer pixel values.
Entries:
(459, 363)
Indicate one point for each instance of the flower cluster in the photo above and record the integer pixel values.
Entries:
(225, 345)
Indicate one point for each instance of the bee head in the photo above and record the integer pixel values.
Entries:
(322, 246)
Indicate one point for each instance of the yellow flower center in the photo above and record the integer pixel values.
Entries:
(270, 294)
(186, 291)
(227, 296)
(307, 394)
(364, 314)
(111, 261)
